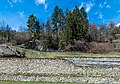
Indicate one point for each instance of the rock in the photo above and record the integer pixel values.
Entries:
(7, 51)
(34, 44)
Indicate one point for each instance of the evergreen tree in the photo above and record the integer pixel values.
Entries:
(61, 18)
(35, 27)
(77, 25)
(76, 21)
(55, 19)
(58, 21)
(69, 26)
(31, 23)
(48, 33)
(61, 29)
(55, 22)
(84, 24)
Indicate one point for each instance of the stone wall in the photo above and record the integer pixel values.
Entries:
(25, 65)
(56, 66)
(78, 80)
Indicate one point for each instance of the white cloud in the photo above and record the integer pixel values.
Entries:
(96, 13)
(100, 16)
(118, 25)
(101, 6)
(15, 1)
(12, 2)
(89, 6)
(38, 2)
(81, 5)
(108, 6)
(105, 3)
(21, 14)
(45, 6)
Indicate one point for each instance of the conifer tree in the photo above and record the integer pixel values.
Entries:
(61, 29)
(84, 24)
(55, 23)
(31, 23)
(48, 33)
(69, 23)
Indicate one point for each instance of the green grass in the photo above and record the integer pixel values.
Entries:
(63, 75)
(31, 82)
(37, 54)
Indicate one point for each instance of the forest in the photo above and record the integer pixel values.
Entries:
(69, 31)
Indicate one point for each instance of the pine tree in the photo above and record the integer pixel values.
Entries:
(61, 27)
(61, 18)
(55, 23)
(55, 19)
(76, 21)
(48, 33)
(84, 24)
(69, 26)
(31, 23)
(34, 26)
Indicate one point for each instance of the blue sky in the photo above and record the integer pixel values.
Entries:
(16, 12)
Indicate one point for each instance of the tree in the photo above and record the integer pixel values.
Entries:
(33, 25)
(69, 26)
(104, 32)
(58, 21)
(22, 29)
(84, 24)
(48, 33)
(93, 31)
(8, 29)
(5, 30)
(61, 20)
(61, 26)
(112, 31)
(76, 23)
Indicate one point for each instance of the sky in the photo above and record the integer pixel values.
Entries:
(16, 12)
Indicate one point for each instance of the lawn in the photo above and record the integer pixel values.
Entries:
(37, 54)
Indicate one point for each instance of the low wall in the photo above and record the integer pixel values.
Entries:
(56, 66)
(83, 80)
(25, 65)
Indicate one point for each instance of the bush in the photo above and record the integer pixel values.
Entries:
(101, 48)
(78, 46)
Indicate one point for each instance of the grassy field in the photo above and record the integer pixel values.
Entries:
(31, 82)
(37, 54)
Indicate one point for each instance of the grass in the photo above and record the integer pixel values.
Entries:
(31, 82)
(37, 54)
(49, 75)
(63, 75)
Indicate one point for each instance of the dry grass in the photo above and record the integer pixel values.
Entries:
(37, 54)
